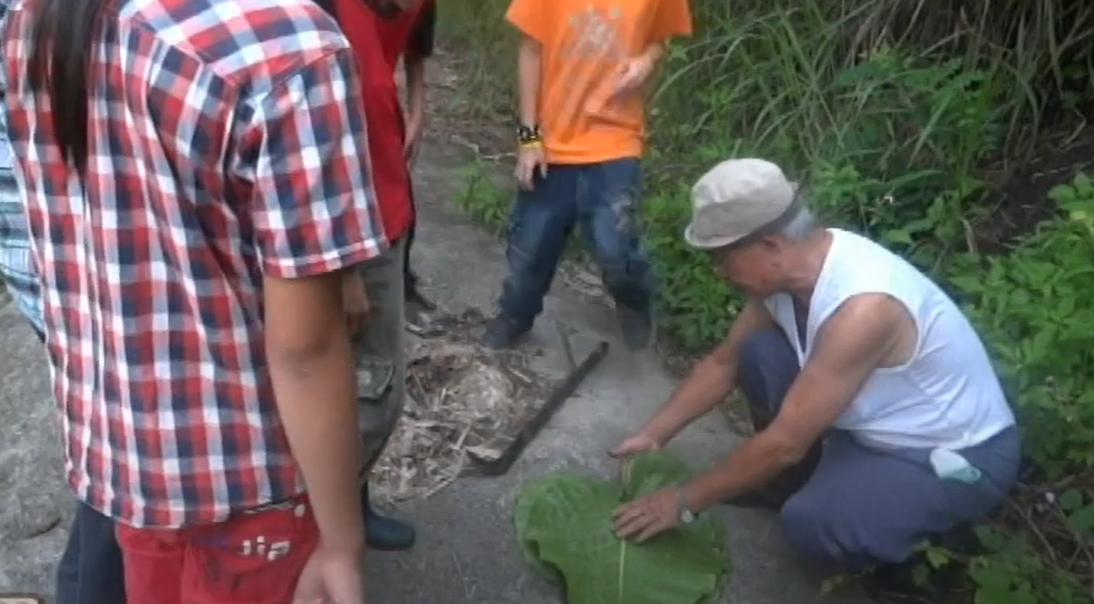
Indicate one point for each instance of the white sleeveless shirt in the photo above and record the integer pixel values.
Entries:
(946, 396)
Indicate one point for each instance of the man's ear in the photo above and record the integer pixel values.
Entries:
(773, 243)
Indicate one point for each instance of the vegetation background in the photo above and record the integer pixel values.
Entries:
(953, 131)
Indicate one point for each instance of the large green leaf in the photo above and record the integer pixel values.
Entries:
(565, 527)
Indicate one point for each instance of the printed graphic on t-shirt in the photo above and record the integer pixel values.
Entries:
(592, 55)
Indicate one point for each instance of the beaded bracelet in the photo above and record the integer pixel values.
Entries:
(529, 136)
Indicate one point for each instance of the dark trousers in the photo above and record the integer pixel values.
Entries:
(603, 198)
(91, 570)
(860, 505)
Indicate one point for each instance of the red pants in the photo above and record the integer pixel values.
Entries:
(254, 558)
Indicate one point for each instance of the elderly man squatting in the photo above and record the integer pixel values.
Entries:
(879, 419)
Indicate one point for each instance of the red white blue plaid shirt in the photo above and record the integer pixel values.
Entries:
(228, 141)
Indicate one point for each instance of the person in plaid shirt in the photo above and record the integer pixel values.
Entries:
(90, 570)
(195, 211)
(16, 268)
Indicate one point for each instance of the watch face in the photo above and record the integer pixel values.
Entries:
(687, 516)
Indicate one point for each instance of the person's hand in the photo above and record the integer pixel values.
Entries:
(332, 576)
(634, 445)
(649, 515)
(529, 161)
(633, 75)
(413, 138)
(355, 302)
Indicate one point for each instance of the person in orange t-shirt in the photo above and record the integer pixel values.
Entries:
(584, 68)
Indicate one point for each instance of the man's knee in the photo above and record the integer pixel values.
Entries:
(539, 223)
(843, 537)
(762, 349)
(766, 366)
(817, 532)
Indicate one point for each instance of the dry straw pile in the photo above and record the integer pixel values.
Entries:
(460, 398)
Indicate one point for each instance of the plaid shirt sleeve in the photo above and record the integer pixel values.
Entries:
(303, 156)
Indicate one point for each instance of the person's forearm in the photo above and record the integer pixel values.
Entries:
(316, 397)
(709, 383)
(749, 466)
(415, 85)
(655, 51)
(528, 79)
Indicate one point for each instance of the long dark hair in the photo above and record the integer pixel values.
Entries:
(64, 35)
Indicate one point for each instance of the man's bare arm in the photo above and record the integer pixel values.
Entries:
(710, 381)
(857, 339)
(414, 67)
(312, 370)
(419, 48)
(528, 76)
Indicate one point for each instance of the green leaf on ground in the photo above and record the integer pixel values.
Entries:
(565, 528)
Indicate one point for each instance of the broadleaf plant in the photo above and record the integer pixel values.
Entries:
(564, 523)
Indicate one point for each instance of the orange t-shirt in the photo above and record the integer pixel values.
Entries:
(585, 44)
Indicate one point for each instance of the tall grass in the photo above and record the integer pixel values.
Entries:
(768, 71)
(891, 108)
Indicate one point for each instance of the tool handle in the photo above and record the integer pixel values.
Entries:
(563, 391)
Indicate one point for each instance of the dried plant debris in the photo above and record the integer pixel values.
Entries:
(461, 399)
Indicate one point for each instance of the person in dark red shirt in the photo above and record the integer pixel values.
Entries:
(414, 38)
(379, 33)
(407, 34)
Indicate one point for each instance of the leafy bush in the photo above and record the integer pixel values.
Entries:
(1033, 308)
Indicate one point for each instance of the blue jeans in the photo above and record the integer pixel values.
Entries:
(603, 198)
(862, 506)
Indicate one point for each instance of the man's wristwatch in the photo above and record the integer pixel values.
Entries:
(686, 515)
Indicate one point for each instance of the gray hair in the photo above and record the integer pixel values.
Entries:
(801, 226)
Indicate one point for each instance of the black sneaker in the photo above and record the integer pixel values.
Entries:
(639, 327)
(503, 332)
(896, 584)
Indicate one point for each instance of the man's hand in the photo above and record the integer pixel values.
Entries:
(633, 75)
(413, 137)
(640, 443)
(529, 161)
(649, 515)
(355, 301)
(332, 576)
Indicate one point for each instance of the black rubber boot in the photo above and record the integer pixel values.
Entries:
(383, 533)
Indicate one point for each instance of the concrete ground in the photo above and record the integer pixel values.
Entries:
(466, 551)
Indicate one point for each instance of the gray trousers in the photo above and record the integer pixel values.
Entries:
(862, 506)
(381, 353)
